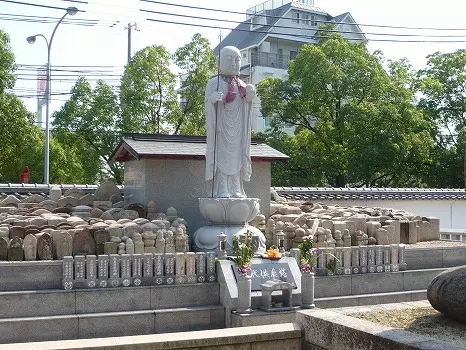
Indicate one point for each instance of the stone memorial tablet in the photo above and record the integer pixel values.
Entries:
(180, 268)
(201, 267)
(355, 260)
(401, 257)
(91, 271)
(294, 253)
(101, 237)
(125, 267)
(15, 249)
(371, 259)
(30, 247)
(114, 270)
(68, 272)
(110, 248)
(191, 267)
(17, 231)
(169, 268)
(268, 270)
(83, 243)
(102, 271)
(339, 260)
(80, 271)
(394, 258)
(159, 268)
(4, 248)
(63, 243)
(347, 260)
(136, 266)
(44, 246)
(363, 259)
(379, 258)
(210, 267)
(386, 258)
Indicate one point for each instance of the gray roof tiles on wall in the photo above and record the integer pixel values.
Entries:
(328, 193)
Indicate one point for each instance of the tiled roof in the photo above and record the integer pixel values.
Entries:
(322, 193)
(138, 146)
(339, 18)
(302, 6)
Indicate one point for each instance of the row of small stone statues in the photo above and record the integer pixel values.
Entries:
(53, 244)
(115, 270)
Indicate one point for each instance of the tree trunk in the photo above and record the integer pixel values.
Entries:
(340, 181)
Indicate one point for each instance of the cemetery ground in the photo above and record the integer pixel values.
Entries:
(417, 317)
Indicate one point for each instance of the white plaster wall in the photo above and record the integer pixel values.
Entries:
(180, 184)
(450, 212)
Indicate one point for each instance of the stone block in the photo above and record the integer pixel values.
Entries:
(36, 303)
(168, 321)
(184, 295)
(116, 325)
(434, 233)
(339, 286)
(34, 275)
(112, 300)
(31, 329)
(454, 256)
(424, 258)
(420, 279)
(372, 283)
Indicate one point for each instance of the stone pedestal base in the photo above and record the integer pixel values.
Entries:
(205, 238)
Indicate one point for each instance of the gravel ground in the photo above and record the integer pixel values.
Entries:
(417, 317)
(433, 244)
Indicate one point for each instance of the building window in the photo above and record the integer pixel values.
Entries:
(306, 19)
(313, 21)
(295, 17)
(267, 121)
(244, 54)
(293, 54)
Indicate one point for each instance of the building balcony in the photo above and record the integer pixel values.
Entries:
(273, 60)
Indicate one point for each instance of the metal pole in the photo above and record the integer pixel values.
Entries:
(129, 41)
(47, 106)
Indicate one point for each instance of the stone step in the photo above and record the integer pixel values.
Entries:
(38, 303)
(111, 324)
(371, 299)
(370, 283)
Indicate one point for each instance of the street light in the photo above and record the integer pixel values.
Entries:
(31, 40)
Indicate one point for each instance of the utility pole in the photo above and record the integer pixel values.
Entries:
(129, 27)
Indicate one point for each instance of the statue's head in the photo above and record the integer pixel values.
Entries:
(230, 61)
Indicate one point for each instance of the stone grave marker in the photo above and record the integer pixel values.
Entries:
(201, 267)
(371, 259)
(210, 267)
(114, 270)
(158, 268)
(110, 248)
(80, 271)
(386, 257)
(148, 268)
(15, 249)
(169, 268)
(101, 237)
(125, 263)
(63, 244)
(363, 259)
(180, 265)
(102, 271)
(379, 258)
(68, 273)
(136, 267)
(44, 246)
(30, 247)
(347, 260)
(191, 267)
(91, 271)
(4, 248)
(83, 243)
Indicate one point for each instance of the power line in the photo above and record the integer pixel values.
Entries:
(37, 5)
(278, 17)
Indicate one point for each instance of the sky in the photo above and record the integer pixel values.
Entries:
(105, 44)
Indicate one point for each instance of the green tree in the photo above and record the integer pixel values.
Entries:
(355, 122)
(443, 87)
(86, 125)
(7, 63)
(197, 63)
(148, 97)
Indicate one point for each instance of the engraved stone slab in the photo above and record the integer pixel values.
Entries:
(355, 268)
(201, 267)
(17, 231)
(387, 252)
(136, 267)
(83, 243)
(102, 271)
(347, 260)
(125, 266)
(169, 268)
(80, 271)
(180, 268)
(148, 269)
(371, 259)
(44, 246)
(114, 269)
(191, 267)
(4, 248)
(158, 268)
(363, 259)
(379, 258)
(63, 243)
(15, 249)
(339, 260)
(91, 271)
(210, 267)
(101, 237)
(68, 272)
(30, 248)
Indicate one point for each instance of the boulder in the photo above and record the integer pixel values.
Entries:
(447, 293)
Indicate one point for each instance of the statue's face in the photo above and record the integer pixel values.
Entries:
(230, 61)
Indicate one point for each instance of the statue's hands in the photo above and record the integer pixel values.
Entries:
(250, 92)
(216, 96)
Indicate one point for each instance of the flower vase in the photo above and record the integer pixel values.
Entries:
(307, 290)
(244, 294)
